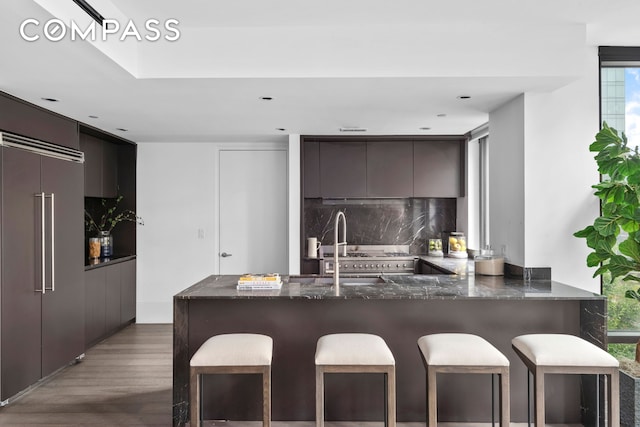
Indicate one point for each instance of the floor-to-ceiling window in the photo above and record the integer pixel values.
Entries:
(620, 109)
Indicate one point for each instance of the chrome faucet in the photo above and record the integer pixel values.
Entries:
(336, 244)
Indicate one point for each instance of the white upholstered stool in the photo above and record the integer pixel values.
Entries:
(355, 353)
(464, 354)
(232, 354)
(566, 354)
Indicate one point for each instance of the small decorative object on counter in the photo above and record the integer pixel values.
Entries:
(94, 247)
(457, 245)
(435, 247)
(312, 247)
(106, 244)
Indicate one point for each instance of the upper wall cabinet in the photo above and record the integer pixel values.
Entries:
(400, 168)
(343, 169)
(100, 167)
(29, 120)
(390, 169)
(438, 168)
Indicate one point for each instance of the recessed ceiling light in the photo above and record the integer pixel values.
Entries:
(93, 117)
(281, 129)
(425, 128)
(442, 115)
(352, 129)
(122, 129)
(266, 98)
(49, 99)
(464, 97)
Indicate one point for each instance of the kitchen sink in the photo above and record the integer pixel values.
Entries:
(344, 281)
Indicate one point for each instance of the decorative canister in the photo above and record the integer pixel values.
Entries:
(94, 247)
(106, 244)
(457, 245)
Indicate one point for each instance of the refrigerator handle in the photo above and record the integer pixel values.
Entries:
(42, 247)
(53, 244)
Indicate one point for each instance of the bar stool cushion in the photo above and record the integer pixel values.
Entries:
(562, 350)
(234, 350)
(353, 349)
(457, 349)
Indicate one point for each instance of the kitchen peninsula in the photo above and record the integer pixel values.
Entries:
(400, 310)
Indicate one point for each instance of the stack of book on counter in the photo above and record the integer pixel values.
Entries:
(259, 281)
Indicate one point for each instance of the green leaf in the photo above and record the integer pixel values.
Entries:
(631, 278)
(585, 232)
(606, 226)
(595, 258)
(630, 248)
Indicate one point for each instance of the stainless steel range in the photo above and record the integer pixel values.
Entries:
(370, 260)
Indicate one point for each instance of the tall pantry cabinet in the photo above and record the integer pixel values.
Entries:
(41, 252)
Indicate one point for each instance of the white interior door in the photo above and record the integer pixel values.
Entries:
(253, 211)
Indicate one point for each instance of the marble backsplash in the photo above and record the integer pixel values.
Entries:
(382, 221)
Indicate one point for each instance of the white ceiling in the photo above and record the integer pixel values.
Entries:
(389, 66)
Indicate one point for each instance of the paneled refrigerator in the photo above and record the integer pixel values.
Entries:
(41, 253)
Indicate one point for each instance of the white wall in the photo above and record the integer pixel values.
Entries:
(294, 204)
(541, 173)
(506, 181)
(177, 196)
(559, 172)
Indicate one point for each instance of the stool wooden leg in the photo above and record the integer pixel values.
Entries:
(266, 397)
(505, 403)
(432, 398)
(614, 398)
(194, 398)
(319, 397)
(391, 397)
(538, 399)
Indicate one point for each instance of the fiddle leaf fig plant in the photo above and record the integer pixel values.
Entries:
(614, 236)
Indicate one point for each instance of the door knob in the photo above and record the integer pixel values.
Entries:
(224, 254)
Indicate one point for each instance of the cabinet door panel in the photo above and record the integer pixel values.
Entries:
(311, 169)
(438, 169)
(390, 169)
(128, 291)
(95, 314)
(112, 299)
(109, 169)
(343, 169)
(92, 149)
(21, 272)
(63, 309)
(34, 122)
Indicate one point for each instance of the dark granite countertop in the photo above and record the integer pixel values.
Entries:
(417, 286)
(101, 262)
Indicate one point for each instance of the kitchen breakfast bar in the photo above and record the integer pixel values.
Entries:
(400, 309)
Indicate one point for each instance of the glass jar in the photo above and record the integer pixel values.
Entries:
(106, 244)
(457, 245)
(94, 247)
(435, 247)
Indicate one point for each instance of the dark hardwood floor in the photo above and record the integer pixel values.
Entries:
(125, 380)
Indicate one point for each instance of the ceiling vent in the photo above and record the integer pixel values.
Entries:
(353, 129)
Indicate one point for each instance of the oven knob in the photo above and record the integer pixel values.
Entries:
(398, 265)
(366, 266)
(377, 265)
(346, 266)
(404, 265)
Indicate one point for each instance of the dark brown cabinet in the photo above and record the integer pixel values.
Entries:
(390, 169)
(28, 120)
(100, 167)
(343, 169)
(438, 168)
(311, 169)
(128, 292)
(42, 289)
(382, 168)
(110, 299)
